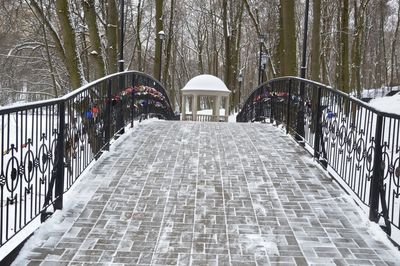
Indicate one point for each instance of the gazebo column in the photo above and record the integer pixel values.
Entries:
(217, 107)
(183, 107)
(226, 108)
(214, 106)
(194, 107)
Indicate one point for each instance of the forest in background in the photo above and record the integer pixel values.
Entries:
(51, 47)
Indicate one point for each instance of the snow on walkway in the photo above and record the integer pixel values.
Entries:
(187, 193)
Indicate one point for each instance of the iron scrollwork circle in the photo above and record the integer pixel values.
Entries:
(351, 142)
(385, 164)
(397, 172)
(12, 174)
(53, 147)
(342, 133)
(360, 148)
(370, 158)
(43, 158)
(28, 166)
(333, 128)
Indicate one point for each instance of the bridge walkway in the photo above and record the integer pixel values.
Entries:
(187, 193)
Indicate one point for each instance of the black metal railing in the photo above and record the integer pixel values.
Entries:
(359, 145)
(45, 146)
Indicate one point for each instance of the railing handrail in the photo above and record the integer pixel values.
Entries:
(311, 82)
(31, 105)
(91, 84)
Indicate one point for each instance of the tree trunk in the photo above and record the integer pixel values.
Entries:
(325, 44)
(227, 43)
(112, 36)
(95, 52)
(393, 48)
(315, 57)
(256, 24)
(359, 23)
(168, 53)
(344, 48)
(383, 66)
(51, 68)
(289, 38)
(71, 56)
(138, 41)
(356, 52)
(315, 42)
(280, 53)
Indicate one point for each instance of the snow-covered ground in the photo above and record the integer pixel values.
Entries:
(208, 112)
(254, 239)
(389, 104)
(80, 192)
(376, 93)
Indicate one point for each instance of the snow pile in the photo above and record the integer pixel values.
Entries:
(232, 118)
(390, 104)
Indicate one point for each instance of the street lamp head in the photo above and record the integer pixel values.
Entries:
(261, 39)
(264, 59)
(240, 77)
(161, 35)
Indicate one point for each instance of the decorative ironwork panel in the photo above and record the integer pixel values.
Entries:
(343, 133)
(46, 146)
(28, 142)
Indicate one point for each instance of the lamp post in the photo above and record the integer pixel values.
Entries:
(264, 61)
(120, 117)
(300, 112)
(240, 80)
(261, 40)
(161, 36)
(121, 43)
(304, 55)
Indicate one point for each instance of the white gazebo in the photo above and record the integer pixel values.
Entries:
(205, 86)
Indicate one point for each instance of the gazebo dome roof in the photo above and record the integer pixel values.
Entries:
(205, 83)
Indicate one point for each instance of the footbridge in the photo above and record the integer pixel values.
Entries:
(300, 189)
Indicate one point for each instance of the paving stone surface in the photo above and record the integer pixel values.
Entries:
(184, 193)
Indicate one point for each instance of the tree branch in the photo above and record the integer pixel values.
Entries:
(38, 12)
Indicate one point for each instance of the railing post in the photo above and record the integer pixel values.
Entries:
(317, 131)
(59, 158)
(119, 120)
(377, 177)
(107, 117)
(300, 114)
(288, 107)
(273, 95)
(147, 104)
(132, 107)
(254, 110)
